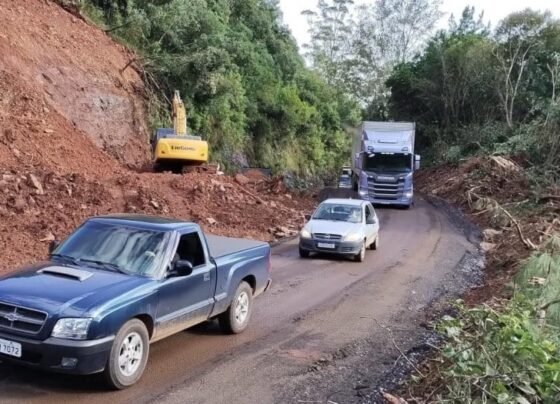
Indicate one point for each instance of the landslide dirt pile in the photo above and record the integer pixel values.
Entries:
(72, 74)
(496, 193)
(39, 206)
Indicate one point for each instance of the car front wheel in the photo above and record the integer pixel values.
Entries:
(128, 356)
(361, 256)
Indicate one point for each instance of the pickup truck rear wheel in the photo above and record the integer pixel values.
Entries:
(236, 318)
(128, 356)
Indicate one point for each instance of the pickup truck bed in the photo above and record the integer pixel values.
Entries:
(220, 246)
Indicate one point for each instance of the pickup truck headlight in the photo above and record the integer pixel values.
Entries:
(353, 237)
(305, 234)
(71, 328)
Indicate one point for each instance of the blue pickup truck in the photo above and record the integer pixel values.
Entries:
(119, 283)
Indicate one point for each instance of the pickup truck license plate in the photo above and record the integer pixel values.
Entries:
(326, 245)
(10, 348)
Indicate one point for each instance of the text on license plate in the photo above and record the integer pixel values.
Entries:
(326, 245)
(10, 348)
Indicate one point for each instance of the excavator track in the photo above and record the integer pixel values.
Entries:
(203, 168)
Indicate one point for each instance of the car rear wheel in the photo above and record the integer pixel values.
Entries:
(303, 253)
(128, 356)
(361, 256)
(236, 318)
(375, 244)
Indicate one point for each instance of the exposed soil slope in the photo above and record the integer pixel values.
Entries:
(72, 124)
(75, 71)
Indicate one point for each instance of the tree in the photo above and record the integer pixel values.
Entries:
(517, 36)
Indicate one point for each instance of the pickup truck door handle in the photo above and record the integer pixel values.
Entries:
(206, 276)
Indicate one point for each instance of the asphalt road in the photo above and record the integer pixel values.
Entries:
(322, 322)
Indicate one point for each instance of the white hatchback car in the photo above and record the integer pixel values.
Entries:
(341, 226)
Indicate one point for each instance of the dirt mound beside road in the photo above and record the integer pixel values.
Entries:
(39, 206)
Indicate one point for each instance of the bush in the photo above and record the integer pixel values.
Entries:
(501, 355)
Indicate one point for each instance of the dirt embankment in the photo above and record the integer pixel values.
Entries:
(72, 123)
(496, 194)
(76, 73)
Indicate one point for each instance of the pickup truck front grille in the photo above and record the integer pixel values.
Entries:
(21, 319)
(326, 236)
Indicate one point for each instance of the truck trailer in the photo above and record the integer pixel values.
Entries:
(383, 162)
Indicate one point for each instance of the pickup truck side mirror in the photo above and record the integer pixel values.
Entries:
(307, 217)
(53, 245)
(180, 268)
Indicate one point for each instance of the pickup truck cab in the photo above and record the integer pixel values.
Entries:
(119, 283)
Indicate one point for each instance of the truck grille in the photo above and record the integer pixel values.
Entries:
(326, 236)
(385, 190)
(21, 319)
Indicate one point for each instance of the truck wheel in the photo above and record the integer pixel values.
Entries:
(128, 356)
(361, 256)
(303, 253)
(236, 318)
(375, 244)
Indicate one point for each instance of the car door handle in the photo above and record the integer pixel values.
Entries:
(206, 276)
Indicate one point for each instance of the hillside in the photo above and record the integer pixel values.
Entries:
(72, 135)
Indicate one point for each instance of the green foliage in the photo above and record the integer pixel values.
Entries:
(501, 356)
(246, 88)
(477, 92)
(510, 352)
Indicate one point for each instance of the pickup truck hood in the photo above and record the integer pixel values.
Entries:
(332, 227)
(56, 288)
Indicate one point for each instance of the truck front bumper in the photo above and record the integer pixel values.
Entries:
(60, 355)
(402, 201)
(340, 247)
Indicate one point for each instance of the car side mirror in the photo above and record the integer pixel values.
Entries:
(370, 221)
(181, 268)
(53, 245)
(307, 217)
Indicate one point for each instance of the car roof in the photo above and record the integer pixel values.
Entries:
(341, 201)
(144, 221)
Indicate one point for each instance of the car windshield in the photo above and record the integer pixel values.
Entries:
(114, 248)
(401, 163)
(339, 213)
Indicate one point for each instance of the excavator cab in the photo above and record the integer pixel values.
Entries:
(173, 149)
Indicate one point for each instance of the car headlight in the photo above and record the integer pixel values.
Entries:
(71, 328)
(305, 234)
(353, 237)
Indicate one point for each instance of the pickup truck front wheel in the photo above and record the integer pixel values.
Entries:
(128, 356)
(236, 318)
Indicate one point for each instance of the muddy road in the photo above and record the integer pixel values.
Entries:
(329, 329)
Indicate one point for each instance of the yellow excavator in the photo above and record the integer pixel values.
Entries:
(175, 150)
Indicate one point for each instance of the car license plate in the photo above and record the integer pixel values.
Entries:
(10, 348)
(326, 245)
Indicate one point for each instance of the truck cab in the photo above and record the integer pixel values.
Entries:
(384, 163)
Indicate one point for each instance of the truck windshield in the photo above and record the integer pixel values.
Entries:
(401, 163)
(339, 213)
(114, 248)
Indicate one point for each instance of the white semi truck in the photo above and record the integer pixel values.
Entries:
(383, 162)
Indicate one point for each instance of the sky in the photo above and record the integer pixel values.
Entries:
(494, 11)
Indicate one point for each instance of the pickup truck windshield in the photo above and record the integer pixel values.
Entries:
(114, 248)
(401, 163)
(339, 213)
